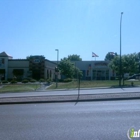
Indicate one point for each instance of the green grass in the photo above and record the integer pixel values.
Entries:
(92, 84)
(19, 88)
(69, 85)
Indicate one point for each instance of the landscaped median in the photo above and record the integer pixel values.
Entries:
(18, 87)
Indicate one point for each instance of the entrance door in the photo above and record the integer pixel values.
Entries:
(2, 74)
(36, 74)
(99, 75)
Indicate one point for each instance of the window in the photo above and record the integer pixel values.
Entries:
(2, 60)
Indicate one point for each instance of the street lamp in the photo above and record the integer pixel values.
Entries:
(56, 73)
(57, 55)
(120, 75)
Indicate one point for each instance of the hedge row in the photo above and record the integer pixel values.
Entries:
(25, 81)
(33, 80)
(65, 80)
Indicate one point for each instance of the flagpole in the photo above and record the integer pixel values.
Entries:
(93, 55)
(91, 69)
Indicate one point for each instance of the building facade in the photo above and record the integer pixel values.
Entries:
(95, 70)
(37, 67)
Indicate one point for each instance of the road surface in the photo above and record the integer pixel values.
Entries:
(108, 120)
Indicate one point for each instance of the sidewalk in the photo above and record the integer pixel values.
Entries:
(69, 98)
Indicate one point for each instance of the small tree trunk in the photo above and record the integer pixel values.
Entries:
(123, 82)
(123, 79)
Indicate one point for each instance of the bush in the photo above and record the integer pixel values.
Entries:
(67, 80)
(4, 81)
(32, 80)
(41, 80)
(13, 81)
(112, 78)
(61, 80)
(49, 81)
(25, 81)
(10, 79)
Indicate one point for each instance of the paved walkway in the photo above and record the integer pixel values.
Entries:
(43, 87)
(1, 86)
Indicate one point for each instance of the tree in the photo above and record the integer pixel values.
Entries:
(139, 60)
(110, 55)
(130, 64)
(77, 73)
(74, 57)
(68, 68)
(2, 71)
(18, 72)
(27, 57)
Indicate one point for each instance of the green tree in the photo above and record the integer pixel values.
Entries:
(77, 73)
(2, 71)
(27, 57)
(139, 60)
(110, 55)
(74, 57)
(130, 64)
(68, 69)
(18, 72)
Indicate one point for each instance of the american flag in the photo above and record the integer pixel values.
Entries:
(94, 55)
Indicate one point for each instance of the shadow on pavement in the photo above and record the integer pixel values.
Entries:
(77, 97)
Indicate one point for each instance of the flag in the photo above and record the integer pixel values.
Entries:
(94, 55)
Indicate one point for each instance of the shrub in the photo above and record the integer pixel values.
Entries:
(117, 78)
(32, 80)
(61, 80)
(13, 81)
(49, 80)
(41, 80)
(25, 81)
(67, 80)
(4, 81)
(10, 79)
(112, 78)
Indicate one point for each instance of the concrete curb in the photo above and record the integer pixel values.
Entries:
(69, 98)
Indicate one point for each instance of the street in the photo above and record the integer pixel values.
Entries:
(72, 92)
(105, 120)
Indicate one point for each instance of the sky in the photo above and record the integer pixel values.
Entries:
(38, 27)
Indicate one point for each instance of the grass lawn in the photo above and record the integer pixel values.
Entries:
(91, 84)
(19, 88)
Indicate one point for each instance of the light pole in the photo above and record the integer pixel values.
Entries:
(120, 73)
(56, 73)
(57, 55)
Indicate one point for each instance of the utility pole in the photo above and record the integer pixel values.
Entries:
(120, 73)
(56, 71)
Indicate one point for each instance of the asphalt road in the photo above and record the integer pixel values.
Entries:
(109, 120)
(72, 92)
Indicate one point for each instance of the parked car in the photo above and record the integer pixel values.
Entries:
(135, 76)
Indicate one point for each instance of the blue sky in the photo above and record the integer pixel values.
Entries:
(38, 27)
